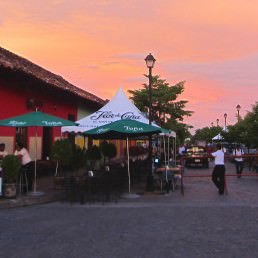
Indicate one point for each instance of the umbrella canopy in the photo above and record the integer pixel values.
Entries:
(119, 107)
(122, 129)
(36, 118)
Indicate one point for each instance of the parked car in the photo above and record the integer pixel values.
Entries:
(196, 156)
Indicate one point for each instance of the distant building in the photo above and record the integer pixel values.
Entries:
(25, 86)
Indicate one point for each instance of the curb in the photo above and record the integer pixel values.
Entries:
(22, 201)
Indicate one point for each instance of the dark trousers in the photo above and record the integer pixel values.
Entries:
(168, 185)
(29, 168)
(239, 166)
(218, 177)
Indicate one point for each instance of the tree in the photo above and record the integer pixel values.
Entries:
(206, 134)
(167, 111)
(245, 131)
(62, 152)
(250, 127)
(108, 150)
(93, 154)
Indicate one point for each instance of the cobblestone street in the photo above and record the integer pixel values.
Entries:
(199, 224)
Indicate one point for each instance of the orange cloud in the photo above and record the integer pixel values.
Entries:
(101, 45)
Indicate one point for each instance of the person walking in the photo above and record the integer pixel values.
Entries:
(218, 174)
(237, 153)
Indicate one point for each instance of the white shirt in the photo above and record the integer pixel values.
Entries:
(219, 157)
(238, 152)
(25, 156)
(3, 153)
(181, 150)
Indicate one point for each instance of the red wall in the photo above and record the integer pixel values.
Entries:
(13, 98)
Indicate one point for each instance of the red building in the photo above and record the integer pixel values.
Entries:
(25, 86)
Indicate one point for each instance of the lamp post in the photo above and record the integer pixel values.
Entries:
(225, 117)
(217, 122)
(150, 61)
(211, 124)
(238, 107)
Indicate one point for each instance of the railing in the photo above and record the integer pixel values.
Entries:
(251, 159)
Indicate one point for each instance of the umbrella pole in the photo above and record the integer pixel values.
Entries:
(34, 192)
(164, 150)
(168, 150)
(128, 166)
(36, 154)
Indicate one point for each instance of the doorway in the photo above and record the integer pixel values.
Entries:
(47, 142)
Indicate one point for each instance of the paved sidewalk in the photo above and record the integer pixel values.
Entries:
(44, 185)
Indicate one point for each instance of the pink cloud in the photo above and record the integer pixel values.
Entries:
(101, 45)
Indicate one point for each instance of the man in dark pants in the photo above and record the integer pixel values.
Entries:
(218, 174)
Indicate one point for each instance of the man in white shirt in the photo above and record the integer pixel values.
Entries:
(181, 150)
(218, 174)
(238, 152)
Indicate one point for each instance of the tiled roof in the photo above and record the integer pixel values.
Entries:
(14, 62)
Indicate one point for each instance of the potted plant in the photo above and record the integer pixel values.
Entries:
(93, 154)
(11, 166)
(61, 152)
(69, 158)
(108, 150)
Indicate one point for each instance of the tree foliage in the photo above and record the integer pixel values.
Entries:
(62, 151)
(206, 134)
(245, 131)
(108, 150)
(167, 111)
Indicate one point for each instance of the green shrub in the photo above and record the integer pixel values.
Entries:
(93, 154)
(11, 166)
(108, 150)
(78, 158)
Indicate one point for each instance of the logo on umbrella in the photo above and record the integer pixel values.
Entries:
(133, 129)
(47, 123)
(16, 123)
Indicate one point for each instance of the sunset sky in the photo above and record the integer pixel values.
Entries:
(100, 45)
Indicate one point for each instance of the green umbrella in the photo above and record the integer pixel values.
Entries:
(36, 118)
(123, 129)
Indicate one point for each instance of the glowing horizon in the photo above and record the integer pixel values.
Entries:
(101, 45)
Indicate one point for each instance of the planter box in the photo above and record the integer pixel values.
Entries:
(10, 190)
(59, 182)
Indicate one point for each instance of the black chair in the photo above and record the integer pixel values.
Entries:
(23, 186)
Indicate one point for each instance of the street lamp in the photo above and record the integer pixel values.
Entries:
(238, 107)
(150, 61)
(225, 116)
(211, 124)
(217, 122)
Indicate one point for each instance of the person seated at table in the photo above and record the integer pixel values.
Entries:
(3, 152)
(27, 165)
